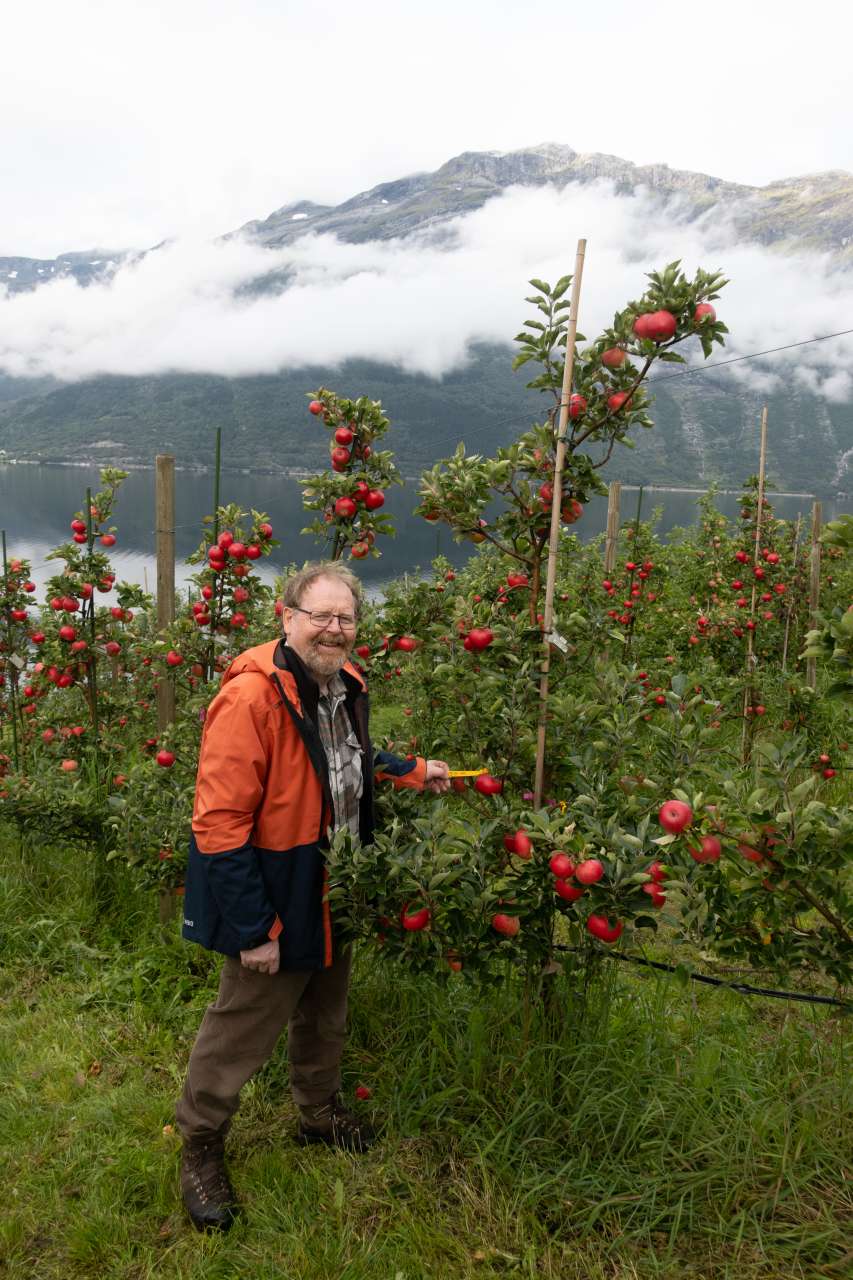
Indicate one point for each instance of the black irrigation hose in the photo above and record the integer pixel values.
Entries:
(741, 987)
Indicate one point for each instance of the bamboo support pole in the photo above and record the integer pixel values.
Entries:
(556, 504)
(748, 693)
(612, 539)
(164, 525)
(814, 586)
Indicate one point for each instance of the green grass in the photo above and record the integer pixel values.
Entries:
(648, 1131)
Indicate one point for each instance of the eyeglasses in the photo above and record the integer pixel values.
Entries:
(321, 620)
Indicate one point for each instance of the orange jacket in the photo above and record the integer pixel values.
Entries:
(263, 808)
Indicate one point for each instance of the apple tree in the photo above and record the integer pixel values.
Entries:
(349, 498)
(608, 400)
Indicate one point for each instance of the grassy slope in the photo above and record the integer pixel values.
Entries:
(706, 428)
(658, 1133)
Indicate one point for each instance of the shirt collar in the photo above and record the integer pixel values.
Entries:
(336, 687)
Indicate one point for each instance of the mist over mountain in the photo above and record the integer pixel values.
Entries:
(410, 293)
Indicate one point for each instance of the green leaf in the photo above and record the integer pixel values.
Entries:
(803, 788)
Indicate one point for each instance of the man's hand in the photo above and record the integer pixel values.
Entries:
(262, 959)
(437, 776)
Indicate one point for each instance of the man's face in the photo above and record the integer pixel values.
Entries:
(324, 650)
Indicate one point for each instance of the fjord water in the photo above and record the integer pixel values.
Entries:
(38, 502)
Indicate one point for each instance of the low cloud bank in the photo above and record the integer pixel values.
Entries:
(420, 303)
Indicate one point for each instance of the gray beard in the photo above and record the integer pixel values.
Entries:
(324, 663)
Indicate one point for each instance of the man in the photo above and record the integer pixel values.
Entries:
(285, 755)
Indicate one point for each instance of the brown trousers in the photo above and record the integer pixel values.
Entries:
(239, 1032)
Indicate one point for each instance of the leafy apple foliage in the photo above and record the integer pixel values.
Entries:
(361, 471)
(606, 403)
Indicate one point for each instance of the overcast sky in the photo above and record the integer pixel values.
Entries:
(126, 121)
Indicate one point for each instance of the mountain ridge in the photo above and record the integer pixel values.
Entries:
(373, 214)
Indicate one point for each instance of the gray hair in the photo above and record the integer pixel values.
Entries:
(298, 583)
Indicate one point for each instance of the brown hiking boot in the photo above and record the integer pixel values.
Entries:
(206, 1189)
(332, 1123)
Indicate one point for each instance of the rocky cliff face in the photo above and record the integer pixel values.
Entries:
(813, 212)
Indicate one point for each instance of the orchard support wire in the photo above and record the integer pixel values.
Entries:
(748, 692)
(164, 525)
(814, 587)
(612, 540)
(556, 504)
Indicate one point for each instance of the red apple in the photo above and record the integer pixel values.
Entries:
(589, 872)
(613, 357)
(519, 844)
(659, 326)
(600, 927)
(568, 892)
(674, 816)
(709, 850)
(487, 785)
(479, 638)
(415, 921)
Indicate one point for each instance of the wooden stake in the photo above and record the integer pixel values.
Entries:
(612, 539)
(748, 693)
(556, 504)
(164, 525)
(814, 587)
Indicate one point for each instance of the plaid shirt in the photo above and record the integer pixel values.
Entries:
(343, 754)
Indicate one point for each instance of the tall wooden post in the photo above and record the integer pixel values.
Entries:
(164, 525)
(556, 504)
(612, 540)
(814, 587)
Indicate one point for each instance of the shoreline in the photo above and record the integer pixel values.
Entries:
(300, 473)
